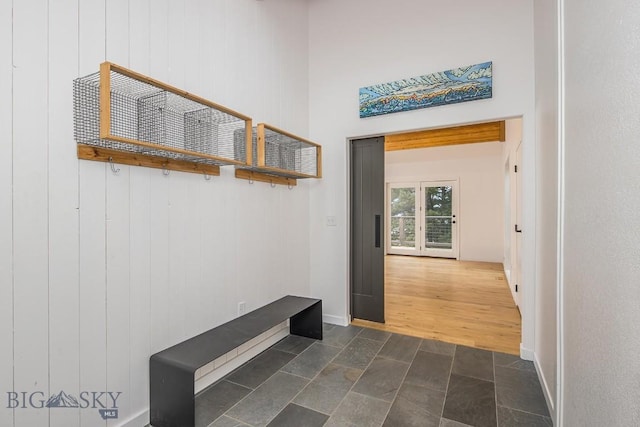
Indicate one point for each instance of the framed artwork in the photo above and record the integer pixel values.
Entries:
(462, 84)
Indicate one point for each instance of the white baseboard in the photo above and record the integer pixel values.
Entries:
(507, 274)
(545, 389)
(335, 320)
(139, 420)
(526, 353)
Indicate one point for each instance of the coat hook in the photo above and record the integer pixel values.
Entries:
(113, 167)
(165, 171)
(290, 186)
(250, 180)
(273, 184)
(207, 177)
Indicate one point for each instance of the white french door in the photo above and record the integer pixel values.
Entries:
(422, 218)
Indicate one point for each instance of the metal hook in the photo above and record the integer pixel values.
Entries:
(290, 186)
(273, 184)
(250, 180)
(165, 171)
(113, 167)
(207, 177)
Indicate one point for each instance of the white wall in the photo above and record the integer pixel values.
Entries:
(97, 270)
(546, 52)
(359, 43)
(601, 298)
(479, 170)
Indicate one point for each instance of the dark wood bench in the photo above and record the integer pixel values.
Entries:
(171, 371)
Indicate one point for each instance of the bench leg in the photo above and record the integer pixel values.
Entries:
(172, 400)
(308, 323)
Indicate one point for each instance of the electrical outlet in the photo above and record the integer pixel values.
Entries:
(242, 308)
(331, 221)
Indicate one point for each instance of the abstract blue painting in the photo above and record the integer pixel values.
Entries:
(447, 87)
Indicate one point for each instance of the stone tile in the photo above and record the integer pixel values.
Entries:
(311, 361)
(520, 389)
(294, 344)
(374, 334)
(297, 416)
(430, 370)
(260, 368)
(470, 401)
(416, 406)
(382, 379)
(357, 410)
(514, 418)
(320, 398)
(359, 353)
(338, 377)
(511, 361)
(327, 390)
(473, 362)
(264, 403)
(340, 336)
(439, 347)
(225, 421)
(450, 423)
(215, 400)
(327, 327)
(400, 347)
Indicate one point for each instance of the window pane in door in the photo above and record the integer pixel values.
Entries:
(403, 217)
(438, 219)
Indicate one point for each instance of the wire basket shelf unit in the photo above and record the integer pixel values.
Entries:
(278, 156)
(121, 115)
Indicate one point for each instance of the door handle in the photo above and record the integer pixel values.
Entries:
(518, 230)
(377, 230)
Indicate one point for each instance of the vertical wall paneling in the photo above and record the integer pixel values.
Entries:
(179, 212)
(139, 231)
(240, 52)
(178, 217)
(216, 34)
(211, 271)
(30, 208)
(64, 344)
(93, 326)
(117, 235)
(6, 210)
(159, 192)
(194, 81)
(104, 269)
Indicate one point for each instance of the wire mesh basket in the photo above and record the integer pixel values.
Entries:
(122, 110)
(276, 152)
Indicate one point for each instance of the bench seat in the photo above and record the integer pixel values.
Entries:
(172, 371)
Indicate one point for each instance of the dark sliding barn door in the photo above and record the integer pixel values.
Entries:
(367, 229)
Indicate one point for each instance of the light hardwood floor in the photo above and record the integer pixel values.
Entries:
(461, 302)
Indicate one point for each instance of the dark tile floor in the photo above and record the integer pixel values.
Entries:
(363, 377)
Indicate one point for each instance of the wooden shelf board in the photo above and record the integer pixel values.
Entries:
(263, 177)
(88, 152)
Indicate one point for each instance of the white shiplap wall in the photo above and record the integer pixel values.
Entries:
(97, 270)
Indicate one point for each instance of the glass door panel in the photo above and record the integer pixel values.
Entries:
(403, 236)
(439, 219)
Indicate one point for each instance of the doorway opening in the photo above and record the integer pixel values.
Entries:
(448, 211)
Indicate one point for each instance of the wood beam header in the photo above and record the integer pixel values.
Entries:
(481, 132)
